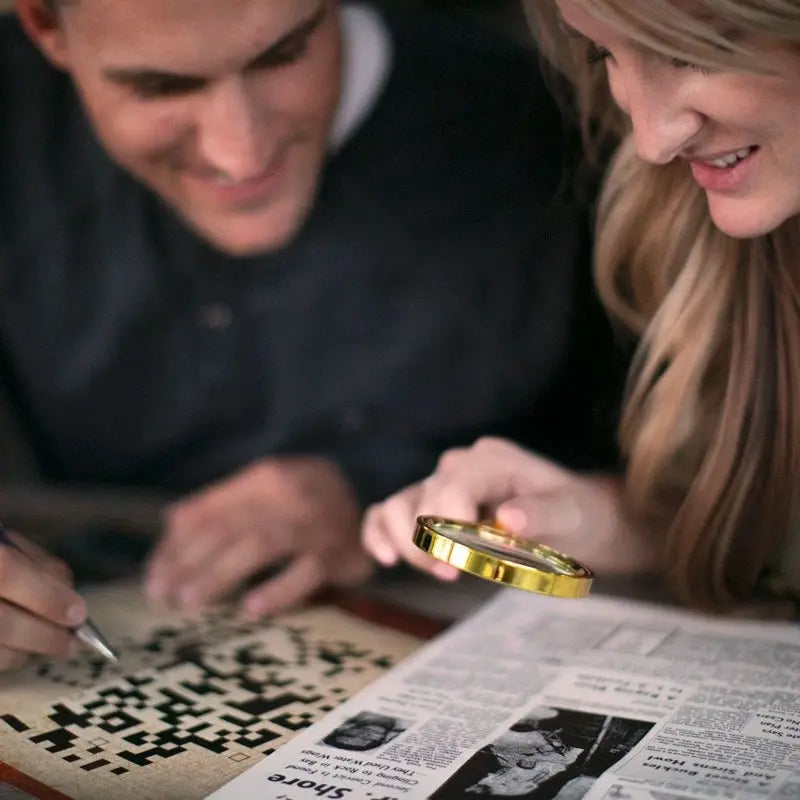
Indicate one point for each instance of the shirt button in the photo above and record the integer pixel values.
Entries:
(215, 316)
(354, 420)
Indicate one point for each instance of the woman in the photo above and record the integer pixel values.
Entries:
(698, 253)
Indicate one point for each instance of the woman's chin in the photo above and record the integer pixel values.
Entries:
(747, 219)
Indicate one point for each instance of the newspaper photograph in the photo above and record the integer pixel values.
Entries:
(536, 698)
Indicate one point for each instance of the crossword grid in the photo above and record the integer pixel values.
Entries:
(238, 698)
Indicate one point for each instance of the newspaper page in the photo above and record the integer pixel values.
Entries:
(546, 699)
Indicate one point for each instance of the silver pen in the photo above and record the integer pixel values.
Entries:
(87, 631)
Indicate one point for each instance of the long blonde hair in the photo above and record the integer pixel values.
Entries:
(711, 425)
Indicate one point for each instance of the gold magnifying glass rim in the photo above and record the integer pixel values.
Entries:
(566, 577)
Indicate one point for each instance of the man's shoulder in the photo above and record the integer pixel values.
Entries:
(459, 60)
(423, 27)
(23, 69)
(466, 89)
(48, 158)
(10, 32)
(36, 97)
(466, 116)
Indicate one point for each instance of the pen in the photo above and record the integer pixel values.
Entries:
(87, 631)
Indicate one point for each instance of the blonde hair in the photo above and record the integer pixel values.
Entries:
(711, 425)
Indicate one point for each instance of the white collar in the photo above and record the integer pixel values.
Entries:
(367, 53)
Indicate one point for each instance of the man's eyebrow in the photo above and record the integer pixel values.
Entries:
(300, 32)
(137, 75)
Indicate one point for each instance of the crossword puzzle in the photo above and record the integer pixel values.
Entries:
(210, 696)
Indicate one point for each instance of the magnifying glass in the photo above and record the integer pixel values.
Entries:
(489, 552)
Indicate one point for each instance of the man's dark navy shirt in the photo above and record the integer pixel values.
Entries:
(438, 291)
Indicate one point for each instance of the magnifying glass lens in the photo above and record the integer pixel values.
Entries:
(489, 552)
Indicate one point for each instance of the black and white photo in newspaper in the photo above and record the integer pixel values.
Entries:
(541, 699)
(549, 753)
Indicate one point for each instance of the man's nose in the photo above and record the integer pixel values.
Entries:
(230, 132)
(663, 123)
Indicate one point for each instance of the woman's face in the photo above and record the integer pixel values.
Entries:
(739, 134)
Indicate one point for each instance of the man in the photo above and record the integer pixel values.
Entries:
(365, 731)
(273, 256)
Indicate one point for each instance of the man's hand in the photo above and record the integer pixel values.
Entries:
(297, 513)
(38, 605)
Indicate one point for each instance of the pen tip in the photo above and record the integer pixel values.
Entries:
(105, 649)
(92, 637)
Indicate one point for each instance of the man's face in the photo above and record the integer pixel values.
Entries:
(361, 735)
(222, 108)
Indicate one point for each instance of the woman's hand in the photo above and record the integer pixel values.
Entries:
(579, 515)
(38, 606)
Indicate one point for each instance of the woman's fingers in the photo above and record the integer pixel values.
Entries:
(386, 524)
(587, 520)
(377, 540)
(470, 484)
(548, 517)
(388, 532)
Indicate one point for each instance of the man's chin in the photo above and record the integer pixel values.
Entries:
(243, 246)
(243, 234)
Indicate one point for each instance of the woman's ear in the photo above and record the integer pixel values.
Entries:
(42, 22)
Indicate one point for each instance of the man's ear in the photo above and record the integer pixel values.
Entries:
(43, 24)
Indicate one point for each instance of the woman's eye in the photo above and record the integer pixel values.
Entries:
(679, 63)
(597, 54)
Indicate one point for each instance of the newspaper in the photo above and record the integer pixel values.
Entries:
(545, 699)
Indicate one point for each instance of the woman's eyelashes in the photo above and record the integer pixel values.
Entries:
(596, 54)
(679, 63)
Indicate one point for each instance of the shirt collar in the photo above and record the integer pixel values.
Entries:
(368, 54)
